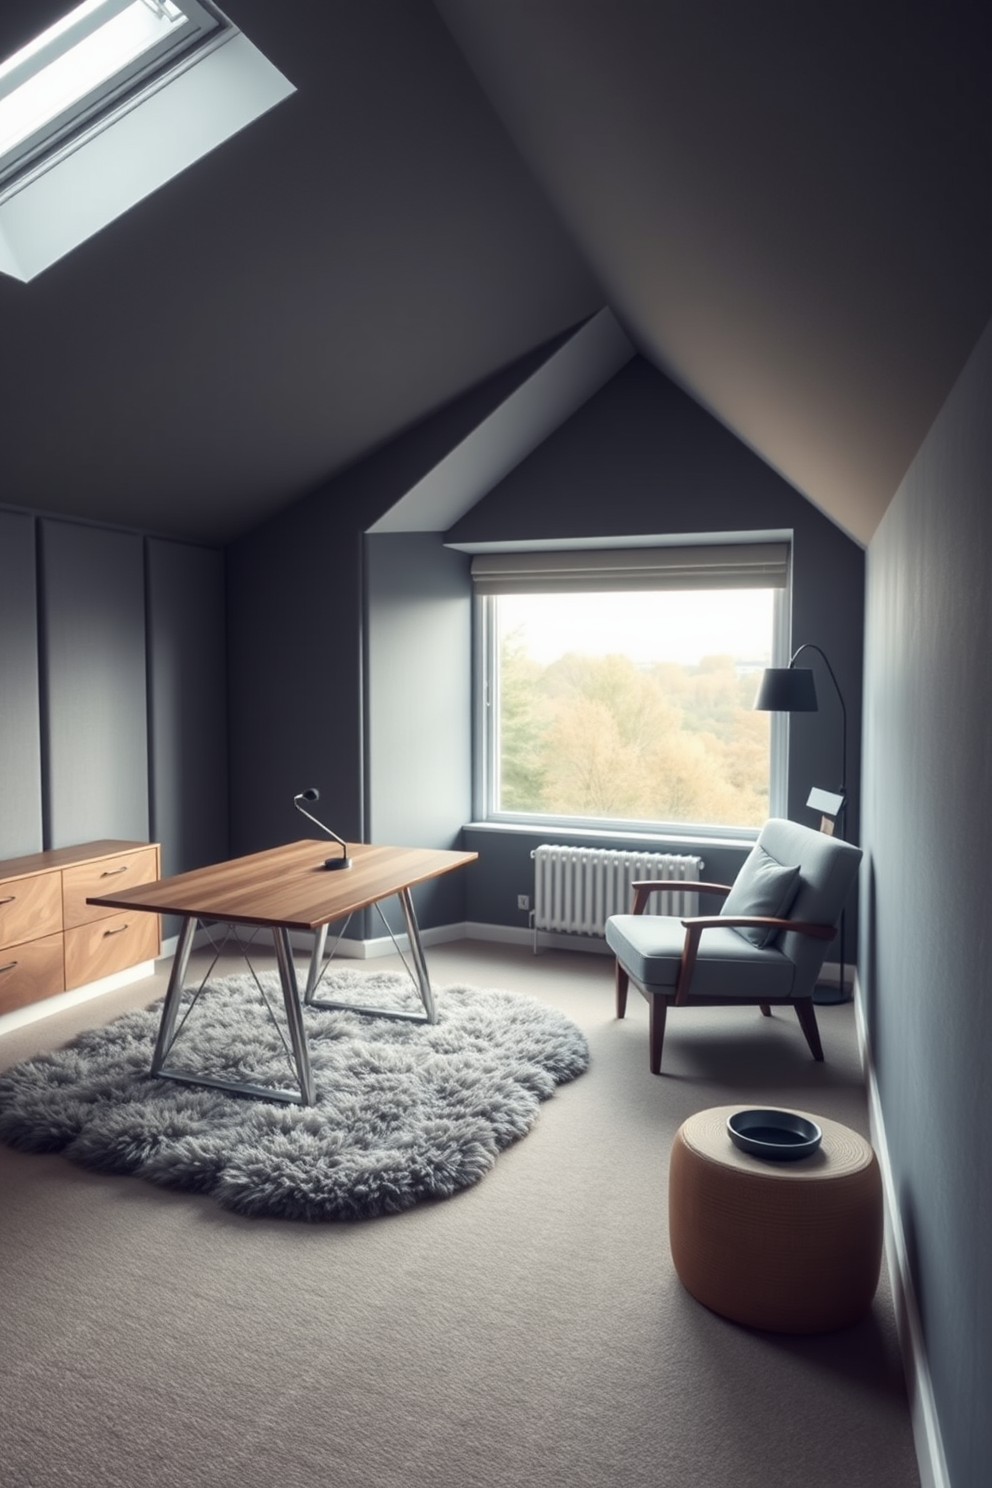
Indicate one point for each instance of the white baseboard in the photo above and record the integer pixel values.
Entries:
(383, 945)
(923, 1408)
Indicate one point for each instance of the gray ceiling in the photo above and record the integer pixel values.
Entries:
(787, 205)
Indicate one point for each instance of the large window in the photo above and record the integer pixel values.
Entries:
(618, 687)
(85, 62)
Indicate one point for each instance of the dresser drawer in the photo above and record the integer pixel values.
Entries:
(108, 945)
(31, 972)
(29, 908)
(106, 876)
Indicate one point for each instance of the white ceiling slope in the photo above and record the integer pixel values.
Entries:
(533, 411)
(789, 206)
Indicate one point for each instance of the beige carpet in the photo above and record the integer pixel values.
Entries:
(528, 1331)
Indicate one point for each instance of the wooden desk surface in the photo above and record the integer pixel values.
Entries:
(289, 885)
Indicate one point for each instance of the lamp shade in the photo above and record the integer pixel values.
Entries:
(787, 690)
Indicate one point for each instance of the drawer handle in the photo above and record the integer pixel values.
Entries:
(110, 872)
(9, 899)
(10, 966)
(119, 931)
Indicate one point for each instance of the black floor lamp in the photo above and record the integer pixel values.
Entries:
(792, 689)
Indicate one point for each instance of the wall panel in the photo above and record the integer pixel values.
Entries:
(20, 730)
(93, 683)
(187, 684)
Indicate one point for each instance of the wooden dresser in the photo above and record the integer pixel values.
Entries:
(51, 940)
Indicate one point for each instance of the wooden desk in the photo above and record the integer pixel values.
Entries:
(286, 888)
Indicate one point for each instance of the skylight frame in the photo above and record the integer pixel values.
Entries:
(205, 27)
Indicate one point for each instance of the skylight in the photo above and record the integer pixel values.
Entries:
(86, 62)
(115, 99)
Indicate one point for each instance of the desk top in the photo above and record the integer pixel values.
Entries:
(289, 885)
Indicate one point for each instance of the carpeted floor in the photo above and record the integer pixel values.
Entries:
(528, 1330)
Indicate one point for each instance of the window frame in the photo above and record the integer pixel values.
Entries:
(206, 27)
(486, 750)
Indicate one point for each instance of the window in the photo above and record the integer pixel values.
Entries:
(618, 686)
(85, 63)
(107, 105)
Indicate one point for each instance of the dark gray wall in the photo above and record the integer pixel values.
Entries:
(505, 868)
(306, 621)
(296, 628)
(94, 697)
(114, 725)
(926, 889)
(295, 675)
(642, 458)
(187, 703)
(419, 704)
(20, 723)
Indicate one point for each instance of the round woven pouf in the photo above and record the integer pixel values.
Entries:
(793, 1247)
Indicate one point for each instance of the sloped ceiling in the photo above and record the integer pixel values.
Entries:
(342, 268)
(787, 206)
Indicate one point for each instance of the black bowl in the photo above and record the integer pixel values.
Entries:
(778, 1136)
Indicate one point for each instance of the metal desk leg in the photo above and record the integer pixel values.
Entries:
(423, 981)
(316, 962)
(305, 1096)
(417, 952)
(294, 1014)
(173, 996)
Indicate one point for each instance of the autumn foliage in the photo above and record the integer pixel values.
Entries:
(598, 736)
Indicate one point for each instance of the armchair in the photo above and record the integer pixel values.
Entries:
(765, 948)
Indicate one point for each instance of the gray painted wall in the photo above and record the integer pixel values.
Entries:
(296, 628)
(926, 889)
(329, 658)
(419, 705)
(187, 703)
(20, 720)
(295, 675)
(643, 458)
(114, 726)
(505, 868)
(94, 696)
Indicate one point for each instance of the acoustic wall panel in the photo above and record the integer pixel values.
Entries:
(20, 733)
(187, 686)
(94, 703)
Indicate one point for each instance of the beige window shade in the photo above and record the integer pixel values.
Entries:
(577, 571)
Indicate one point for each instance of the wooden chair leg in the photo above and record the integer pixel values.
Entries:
(623, 982)
(766, 1011)
(657, 1009)
(806, 1014)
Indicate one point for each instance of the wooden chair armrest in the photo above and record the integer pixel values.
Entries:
(696, 924)
(801, 927)
(645, 887)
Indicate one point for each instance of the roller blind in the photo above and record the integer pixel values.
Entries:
(576, 571)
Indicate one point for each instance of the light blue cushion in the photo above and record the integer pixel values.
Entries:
(650, 947)
(763, 887)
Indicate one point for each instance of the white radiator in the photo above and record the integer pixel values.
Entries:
(576, 889)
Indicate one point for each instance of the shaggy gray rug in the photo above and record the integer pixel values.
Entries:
(404, 1111)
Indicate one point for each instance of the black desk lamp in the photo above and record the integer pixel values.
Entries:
(792, 689)
(314, 795)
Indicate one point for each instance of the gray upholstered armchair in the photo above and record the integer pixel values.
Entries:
(765, 947)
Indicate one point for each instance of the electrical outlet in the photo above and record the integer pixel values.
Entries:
(523, 901)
